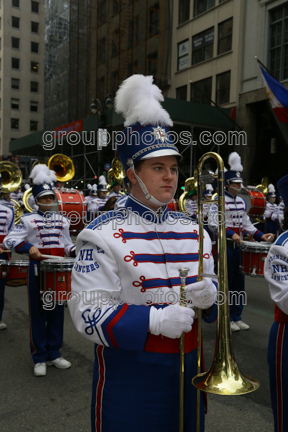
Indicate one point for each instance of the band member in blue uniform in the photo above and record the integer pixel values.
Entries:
(237, 221)
(126, 260)
(6, 225)
(271, 222)
(276, 274)
(43, 232)
(97, 203)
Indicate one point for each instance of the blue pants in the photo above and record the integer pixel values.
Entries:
(3, 256)
(139, 391)
(236, 283)
(278, 374)
(46, 326)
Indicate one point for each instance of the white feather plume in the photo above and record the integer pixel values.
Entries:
(271, 188)
(209, 187)
(27, 186)
(89, 186)
(41, 174)
(234, 161)
(102, 181)
(138, 100)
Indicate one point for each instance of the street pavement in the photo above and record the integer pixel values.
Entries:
(60, 401)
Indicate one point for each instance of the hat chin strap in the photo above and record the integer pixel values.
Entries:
(147, 194)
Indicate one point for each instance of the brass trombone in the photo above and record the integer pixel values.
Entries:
(224, 376)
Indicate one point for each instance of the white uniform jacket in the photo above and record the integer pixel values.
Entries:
(236, 217)
(191, 206)
(128, 260)
(95, 204)
(48, 232)
(276, 272)
(270, 210)
(6, 221)
(114, 194)
(121, 202)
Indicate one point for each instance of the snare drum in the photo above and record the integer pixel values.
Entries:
(16, 273)
(253, 255)
(56, 277)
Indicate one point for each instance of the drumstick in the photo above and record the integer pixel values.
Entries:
(52, 256)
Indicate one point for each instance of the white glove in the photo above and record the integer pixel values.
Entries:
(202, 293)
(171, 321)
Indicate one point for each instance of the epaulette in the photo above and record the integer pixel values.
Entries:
(282, 239)
(107, 217)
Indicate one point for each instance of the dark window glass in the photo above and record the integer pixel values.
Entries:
(154, 15)
(14, 123)
(184, 11)
(34, 106)
(34, 67)
(16, 3)
(201, 91)
(15, 22)
(202, 46)
(182, 55)
(34, 6)
(15, 104)
(15, 63)
(152, 64)
(181, 93)
(201, 6)
(34, 47)
(34, 86)
(15, 42)
(223, 88)
(225, 36)
(33, 125)
(34, 27)
(279, 43)
(15, 83)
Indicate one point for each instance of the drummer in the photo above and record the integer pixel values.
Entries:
(44, 232)
(271, 224)
(6, 225)
(237, 221)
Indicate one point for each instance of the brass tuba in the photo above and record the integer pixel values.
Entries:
(11, 179)
(224, 376)
(190, 184)
(63, 167)
(263, 186)
(117, 173)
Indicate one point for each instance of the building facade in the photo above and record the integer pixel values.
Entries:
(22, 69)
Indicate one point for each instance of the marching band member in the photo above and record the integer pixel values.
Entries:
(115, 192)
(98, 203)
(16, 195)
(191, 203)
(276, 274)
(44, 232)
(89, 196)
(271, 221)
(6, 225)
(237, 221)
(136, 332)
(6, 199)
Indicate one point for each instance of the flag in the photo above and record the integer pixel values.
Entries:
(277, 95)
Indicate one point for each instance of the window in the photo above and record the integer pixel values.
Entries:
(34, 87)
(33, 125)
(201, 91)
(34, 27)
(15, 104)
(223, 88)
(152, 64)
(34, 47)
(15, 3)
(225, 36)
(154, 16)
(201, 6)
(202, 46)
(34, 6)
(34, 106)
(115, 43)
(279, 42)
(183, 50)
(34, 67)
(14, 123)
(116, 7)
(15, 22)
(184, 11)
(15, 42)
(15, 63)
(181, 93)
